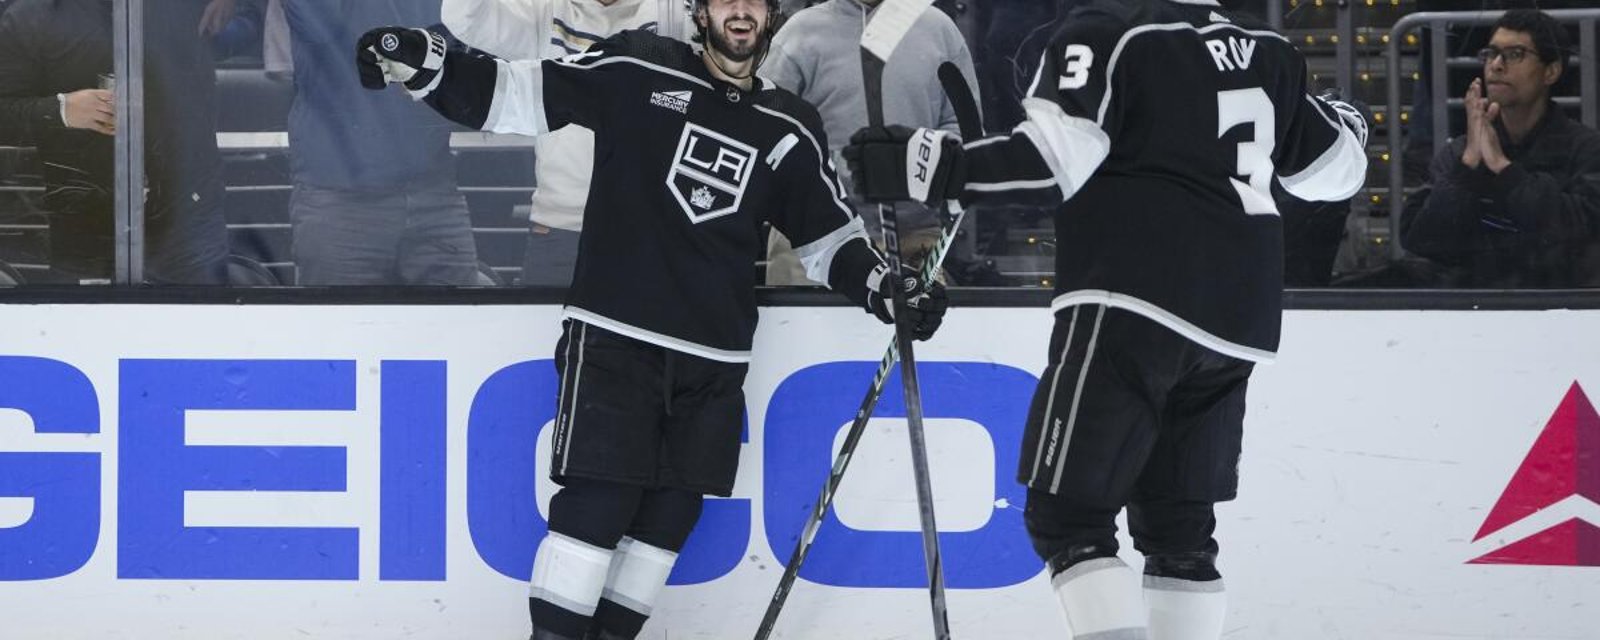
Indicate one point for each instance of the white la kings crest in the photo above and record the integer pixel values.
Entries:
(709, 173)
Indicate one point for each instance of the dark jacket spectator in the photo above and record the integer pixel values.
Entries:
(1516, 201)
(53, 51)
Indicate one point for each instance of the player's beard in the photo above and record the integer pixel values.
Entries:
(717, 37)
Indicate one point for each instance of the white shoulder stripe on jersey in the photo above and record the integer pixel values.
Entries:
(822, 158)
(1166, 318)
(781, 150)
(1073, 147)
(1116, 52)
(659, 339)
(817, 255)
(577, 62)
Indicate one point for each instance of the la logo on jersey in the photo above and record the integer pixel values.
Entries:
(709, 173)
(1555, 492)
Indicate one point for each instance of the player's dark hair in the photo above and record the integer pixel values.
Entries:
(1549, 39)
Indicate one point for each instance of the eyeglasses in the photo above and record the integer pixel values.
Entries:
(1511, 55)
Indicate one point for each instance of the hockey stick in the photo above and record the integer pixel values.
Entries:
(875, 51)
(960, 95)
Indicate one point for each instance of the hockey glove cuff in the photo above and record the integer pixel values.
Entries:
(1355, 114)
(411, 57)
(926, 302)
(895, 163)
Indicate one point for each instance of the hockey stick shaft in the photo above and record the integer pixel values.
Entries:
(847, 449)
(960, 94)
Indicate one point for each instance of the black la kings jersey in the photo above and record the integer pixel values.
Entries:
(1162, 124)
(687, 168)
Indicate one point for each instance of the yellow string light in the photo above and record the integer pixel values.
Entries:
(1366, 77)
(1411, 39)
(1378, 117)
(1405, 116)
(1386, 38)
(1334, 38)
(1360, 39)
(1385, 157)
(1376, 199)
(1310, 39)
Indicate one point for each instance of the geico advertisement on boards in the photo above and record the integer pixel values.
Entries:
(380, 472)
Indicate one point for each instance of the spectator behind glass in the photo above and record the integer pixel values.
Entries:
(52, 56)
(816, 56)
(1516, 201)
(375, 199)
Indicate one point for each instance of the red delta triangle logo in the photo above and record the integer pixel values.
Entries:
(1561, 475)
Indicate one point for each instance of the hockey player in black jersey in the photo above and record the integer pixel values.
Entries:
(1155, 128)
(693, 153)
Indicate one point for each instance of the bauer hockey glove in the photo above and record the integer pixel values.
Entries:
(926, 302)
(898, 163)
(412, 57)
(1357, 116)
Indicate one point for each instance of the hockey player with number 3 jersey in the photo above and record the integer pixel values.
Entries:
(1155, 128)
(693, 153)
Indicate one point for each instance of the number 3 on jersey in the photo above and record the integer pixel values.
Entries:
(1251, 107)
(1075, 67)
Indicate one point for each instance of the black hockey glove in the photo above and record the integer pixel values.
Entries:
(926, 302)
(1357, 116)
(898, 163)
(412, 57)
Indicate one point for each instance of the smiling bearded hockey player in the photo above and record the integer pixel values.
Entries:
(692, 154)
(1155, 128)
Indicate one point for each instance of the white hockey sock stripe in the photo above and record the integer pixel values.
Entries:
(1185, 609)
(569, 573)
(1101, 598)
(638, 572)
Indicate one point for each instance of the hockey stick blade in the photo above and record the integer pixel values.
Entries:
(889, 24)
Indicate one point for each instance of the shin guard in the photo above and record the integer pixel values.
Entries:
(638, 573)
(1101, 598)
(1185, 609)
(568, 577)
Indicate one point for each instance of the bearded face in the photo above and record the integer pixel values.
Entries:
(735, 28)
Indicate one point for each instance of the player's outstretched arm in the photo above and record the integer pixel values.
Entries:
(528, 97)
(831, 241)
(460, 85)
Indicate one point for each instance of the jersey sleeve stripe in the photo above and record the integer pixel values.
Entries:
(1014, 185)
(817, 255)
(1072, 147)
(1335, 175)
(518, 104)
